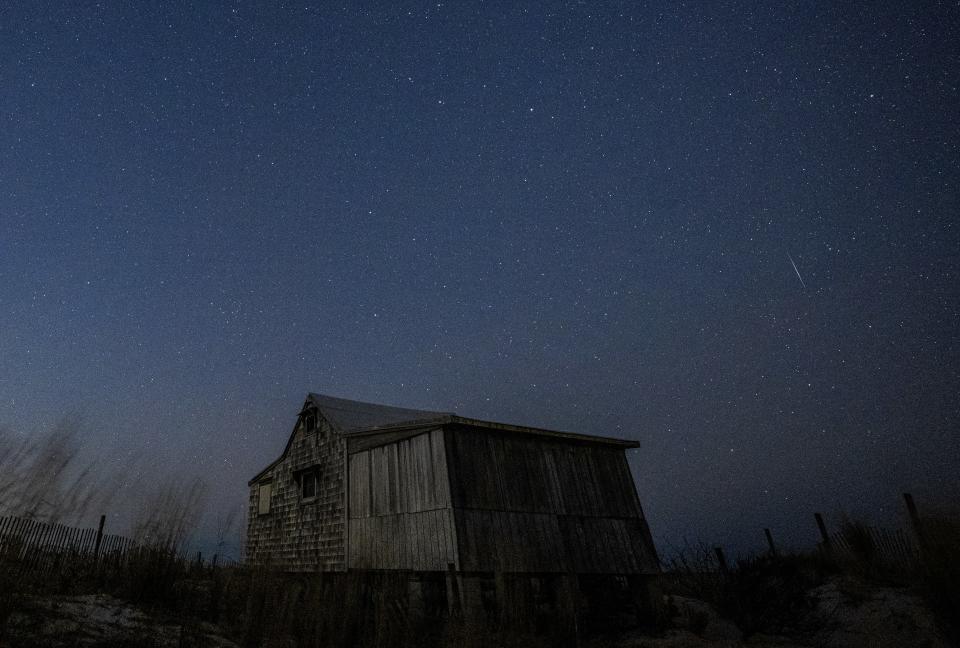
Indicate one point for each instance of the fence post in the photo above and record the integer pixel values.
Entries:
(823, 531)
(773, 547)
(721, 559)
(915, 520)
(96, 546)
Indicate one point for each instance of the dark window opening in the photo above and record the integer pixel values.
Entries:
(310, 422)
(309, 482)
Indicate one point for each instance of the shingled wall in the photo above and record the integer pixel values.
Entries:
(301, 535)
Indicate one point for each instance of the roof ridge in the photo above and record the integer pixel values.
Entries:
(347, 414)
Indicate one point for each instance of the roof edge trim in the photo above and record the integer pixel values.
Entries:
(573, 436)
(492, 425)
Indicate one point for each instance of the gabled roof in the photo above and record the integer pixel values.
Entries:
(351, 415)
(357, 418)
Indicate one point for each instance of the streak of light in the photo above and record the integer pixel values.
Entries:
(802, 283)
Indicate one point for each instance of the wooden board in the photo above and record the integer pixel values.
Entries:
(607, 545)
(403, 477)
(507, 541)
(419, 541)
(526, 474)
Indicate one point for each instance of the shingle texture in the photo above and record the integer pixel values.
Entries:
(298, 535)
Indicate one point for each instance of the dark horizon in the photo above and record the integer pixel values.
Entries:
(727, 232)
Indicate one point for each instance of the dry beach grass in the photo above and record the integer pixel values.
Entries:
(156, 596)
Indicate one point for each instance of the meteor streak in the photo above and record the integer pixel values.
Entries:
(795, 270)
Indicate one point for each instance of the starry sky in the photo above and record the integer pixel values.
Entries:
(725, 229)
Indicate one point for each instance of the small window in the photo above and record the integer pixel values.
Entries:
(264, 498)
(309, 422)
(308, 485)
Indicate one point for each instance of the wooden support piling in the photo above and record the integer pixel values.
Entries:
(569, 596)
(454, 604)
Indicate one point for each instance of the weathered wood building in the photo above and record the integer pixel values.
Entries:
(369, 487)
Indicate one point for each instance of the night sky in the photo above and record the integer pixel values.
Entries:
(726, 230)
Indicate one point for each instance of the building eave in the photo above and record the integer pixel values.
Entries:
(523, 429)
(493, 425)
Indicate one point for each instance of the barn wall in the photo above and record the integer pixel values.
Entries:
(297, 535)
(509, 541)
(536, 504)
(515, 472)
(421, 541)
(399, 500)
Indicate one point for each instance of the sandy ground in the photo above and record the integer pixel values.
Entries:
(100, 620)
(844, 614)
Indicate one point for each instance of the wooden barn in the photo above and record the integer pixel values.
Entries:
(361, 486)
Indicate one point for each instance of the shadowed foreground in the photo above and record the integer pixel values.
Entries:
(161, 599)
(856, 590)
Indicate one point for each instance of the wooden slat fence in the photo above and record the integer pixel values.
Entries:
(40, 546)
(891, 548)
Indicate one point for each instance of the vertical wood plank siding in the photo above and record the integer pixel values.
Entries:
(526, 503)
(421, 541)
(534, 475)
(400, 516)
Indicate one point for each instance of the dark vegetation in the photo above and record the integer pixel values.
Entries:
(772, 594)
(255, 606)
